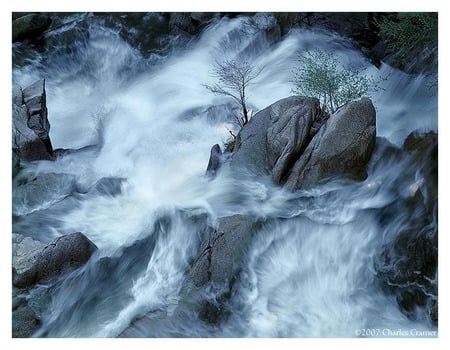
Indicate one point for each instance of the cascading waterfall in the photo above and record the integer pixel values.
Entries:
(309, 272)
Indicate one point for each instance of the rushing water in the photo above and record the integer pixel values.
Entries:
(309, 272)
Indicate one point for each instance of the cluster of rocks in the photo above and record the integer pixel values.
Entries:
(298, 146)
(295, 143)
(35, 262)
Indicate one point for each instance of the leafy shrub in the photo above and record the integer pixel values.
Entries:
(321, 75)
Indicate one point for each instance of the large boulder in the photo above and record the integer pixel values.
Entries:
(293, 141)
(30, 125)
(343, 146)
(34, 261)
(29, 26)
(275, 137)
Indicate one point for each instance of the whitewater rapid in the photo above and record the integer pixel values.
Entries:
(308, 273)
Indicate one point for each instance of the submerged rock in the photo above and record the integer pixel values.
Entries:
(29, 26)
(41, 191)
(182, 23)
(408, 262)
(222, 250)
(34, 261)
(214, 160)
(108, 186)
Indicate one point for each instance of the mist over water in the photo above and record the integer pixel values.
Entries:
(308, 273)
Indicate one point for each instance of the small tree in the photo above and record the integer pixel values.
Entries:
(233, 79)
(321, 75)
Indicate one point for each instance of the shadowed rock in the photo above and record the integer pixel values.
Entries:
(41, 191)
(407, 265)
(34, 261)
(29, 26)
(221, 252)
(342, 147)
(26, 144)
(275, 136)
(214, 160)
(24, 322)
(293, 141)
(30, 125)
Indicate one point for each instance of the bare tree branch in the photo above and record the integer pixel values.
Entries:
(233, 78)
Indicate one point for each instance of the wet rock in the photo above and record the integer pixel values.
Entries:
(41, 191)
(30, 125)
(146, 31)
(407, 264)
(34, 261)
(18, 298)
(108, 186)
(420, 141)
(342, 147)
(203, 17)
(182, 23)
(289, 134)
(267, 22)
(293, 141)
(34, 98)
(275, 136)
(221, 252)
(434, 312)
(24, 322)
(214, 160)
(26, 144)
(29, 26)
(15, 165)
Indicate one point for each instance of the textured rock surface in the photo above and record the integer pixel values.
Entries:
(343, 146)
(182, 23)
(294, 142)
(29, 26)
(275, 136)
(221, 252)
(24, 322)
(289, 134)
(34, 261)
(30, 125)
(34, 98)
(26, 144)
